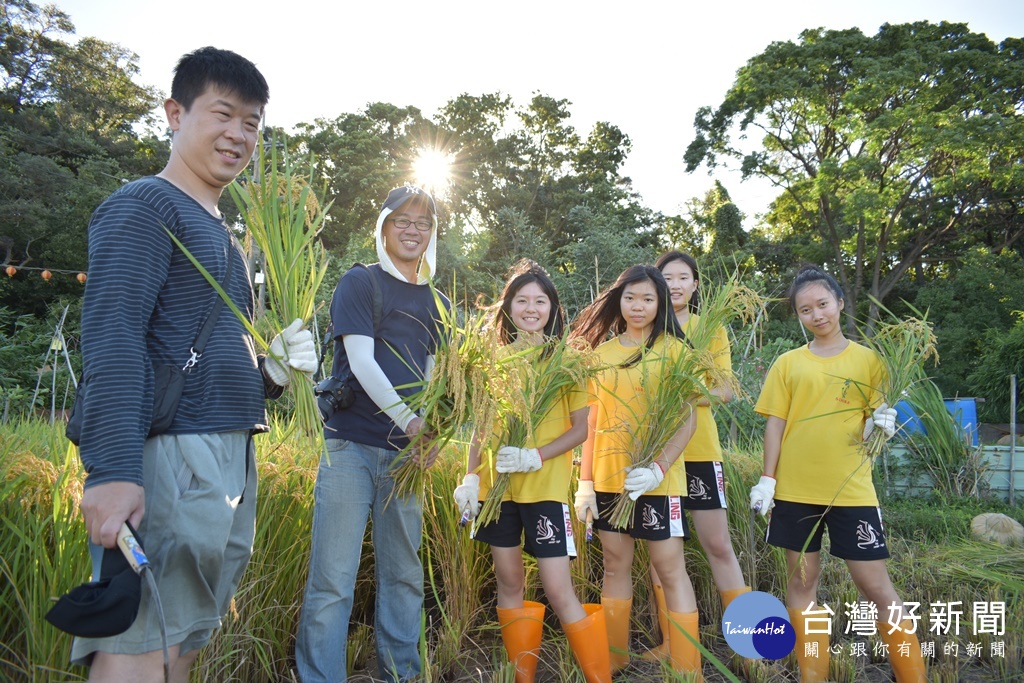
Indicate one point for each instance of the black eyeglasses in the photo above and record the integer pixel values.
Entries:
(403, 223)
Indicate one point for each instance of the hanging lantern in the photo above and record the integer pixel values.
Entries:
(80, 277)
(46, 275)
(11, 270)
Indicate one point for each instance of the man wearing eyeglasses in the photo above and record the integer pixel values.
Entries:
(384, 321)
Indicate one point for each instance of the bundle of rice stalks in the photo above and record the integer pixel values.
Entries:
(682, 380)
(283, 219)
(903, 346)
(460, 390)
(721, 305)
(671, 384)
(536, 379)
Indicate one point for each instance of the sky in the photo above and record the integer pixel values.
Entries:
(645, 66)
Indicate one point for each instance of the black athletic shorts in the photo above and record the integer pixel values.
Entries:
(855, 533)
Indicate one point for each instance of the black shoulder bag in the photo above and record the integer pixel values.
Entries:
(168, 380)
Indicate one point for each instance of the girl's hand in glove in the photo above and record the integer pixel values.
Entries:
(762, 495)
(467, 496)
(512, 459)
(640, 480)
(586, 500)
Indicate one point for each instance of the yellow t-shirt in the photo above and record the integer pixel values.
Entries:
(824, 402)
(551, 481)
(705, 446)
(620, 395)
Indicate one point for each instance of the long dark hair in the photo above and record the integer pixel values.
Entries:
(520, 275)
(675, 255)
(605, 315)
(810, 274)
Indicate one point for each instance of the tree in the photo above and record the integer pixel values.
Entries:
(982, 292)
(360, 157)
(1003, 356)
(518, 174)
(605, 248)
(29, 45)
(66, 142)
(94, 90)
(886, 148)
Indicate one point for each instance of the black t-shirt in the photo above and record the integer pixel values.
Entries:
(407, 334)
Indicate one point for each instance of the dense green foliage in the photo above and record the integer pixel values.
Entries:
(893, 151)
(68, 117)
(1002, 355)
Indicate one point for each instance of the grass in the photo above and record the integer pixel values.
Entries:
(42, 555)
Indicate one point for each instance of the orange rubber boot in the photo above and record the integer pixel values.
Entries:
(616, 617)
(521, 631)
(906, 661)
(684, 654)
(588, 639)
(811, 650)
(730, 595)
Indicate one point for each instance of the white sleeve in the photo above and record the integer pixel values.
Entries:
(375, 383)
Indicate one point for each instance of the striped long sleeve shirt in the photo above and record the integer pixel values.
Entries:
(144, 304)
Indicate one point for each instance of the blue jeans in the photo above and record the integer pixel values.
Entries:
(355, 484)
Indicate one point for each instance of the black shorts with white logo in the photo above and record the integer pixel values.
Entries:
(855, 533)
(547, 527)
(655, 518)
(705, 486)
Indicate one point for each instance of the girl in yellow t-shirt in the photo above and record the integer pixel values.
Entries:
(705, 476)
(530, 317)
(819, 403)
(647, 341)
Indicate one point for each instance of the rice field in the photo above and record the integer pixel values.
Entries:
(42, 555)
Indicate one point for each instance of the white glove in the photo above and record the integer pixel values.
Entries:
(295, 347)
(884, 418)
(467, 496)
(640, 480)
(586, 500)
(762, 495)
(512, 459)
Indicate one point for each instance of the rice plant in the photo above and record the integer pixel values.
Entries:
(462, 389)
(532, 381)
(904, 346)
(43, 554)
(283, 218)
(42, 546)
(943, 448)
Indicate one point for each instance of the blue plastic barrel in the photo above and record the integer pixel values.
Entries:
(963, 410)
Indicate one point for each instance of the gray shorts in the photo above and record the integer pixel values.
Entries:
(198, 531)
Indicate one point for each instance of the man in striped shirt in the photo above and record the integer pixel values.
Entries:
(190, 491)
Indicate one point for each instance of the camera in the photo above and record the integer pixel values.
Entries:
(333, 394)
